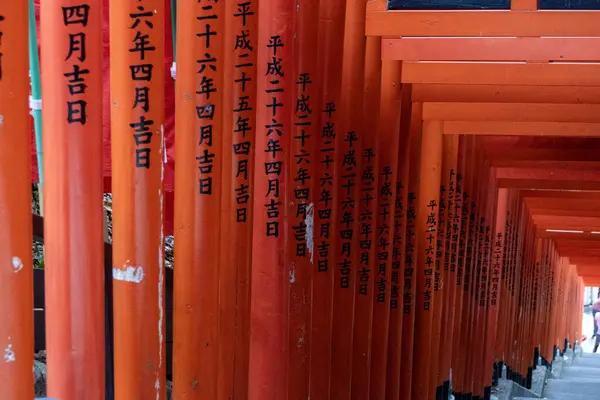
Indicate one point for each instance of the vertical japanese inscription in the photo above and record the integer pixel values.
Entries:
(451, 226)
(302, 178)
(1, 37)
(242, 112)
(409, 270)
(366, 223)
(75, 19)
(397, 246)
(347, 200)
(484, 281)
(274, 130)
(440, 239)
(386, 197)
(141, 75)
(463, 205)
(498, 247)
(326, 200)
(206, 107)
(429, 263)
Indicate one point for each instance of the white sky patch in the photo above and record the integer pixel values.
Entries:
(9, 354)
(128, 273)
(310, 230)
(17, 264)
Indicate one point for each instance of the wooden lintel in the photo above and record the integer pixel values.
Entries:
(514, 112)
(586, 237)
(483, 23)
(557, 174)
(505, 93)
(507, 128)
(559, 194)
(491, 49)
(486, 73)
(548, 184)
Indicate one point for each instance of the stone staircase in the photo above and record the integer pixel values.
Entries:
(578, 381)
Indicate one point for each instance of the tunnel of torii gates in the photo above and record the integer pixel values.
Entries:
(369, 203)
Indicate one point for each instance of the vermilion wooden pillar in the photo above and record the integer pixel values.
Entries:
(497, 247)
(16, 277)
(237, 194)
(442, 262)
(348, 146)
(451, 239)
(410, 264)
(270, 275)
(331, 27)
(394, 359)
(74, 243)
(137, 135)
(388, 137)
(368, 160)
(426, 234)
(200, 105)
(466, 167)
(300, 206)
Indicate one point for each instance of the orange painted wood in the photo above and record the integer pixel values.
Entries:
(238, 169)
(547, 184)
(300, 210)
(269, 346)
(74, 246)
(547, 173)
(377, 5)
(16, 278)
(524, 5)
(426, 232)
(534, 74)
(347, 143)
(512, 112)
(388, 136)
(425, 92)
(449, 282)
(482, 23)
(528, 128)
(466, 252)
(365, 290)
(199, 310)
(442, 260)
(463, 208)
(394, 359)
(409, 289)
(331, 26)
(491, 49)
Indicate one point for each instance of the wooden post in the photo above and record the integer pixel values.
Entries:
(367, 226)
(411, 246)
(498, 245)
(389, 140)
(300, 208)
(348, 147)
(449, 280)
(16, 277)
(200, 105)
(239, 130)
(394, 358)
(331, 27)
(426, 231)
(442, 261)
(268, 369)
(137, 114)
(74, 245)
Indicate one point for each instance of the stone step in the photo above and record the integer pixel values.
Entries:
(584, 386)
(569, 396)
(580, 372)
